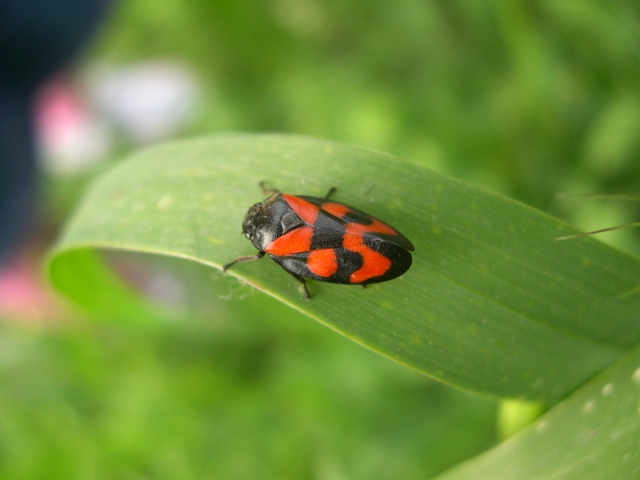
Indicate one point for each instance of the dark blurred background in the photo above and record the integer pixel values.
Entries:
(528, 99)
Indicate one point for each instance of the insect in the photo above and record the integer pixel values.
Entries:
(312, 237)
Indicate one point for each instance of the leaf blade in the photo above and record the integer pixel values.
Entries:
(491, 302)
(591, 435)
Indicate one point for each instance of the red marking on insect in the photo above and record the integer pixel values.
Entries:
(323, 263)
(336, 209)
(305, 210)
(295, 241)
(314, 238)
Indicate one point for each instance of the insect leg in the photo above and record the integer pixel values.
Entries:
(302, 281)
(330, 192)
(248, 258)
(268, 191)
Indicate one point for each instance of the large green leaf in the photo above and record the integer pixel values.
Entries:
(492, 303)
(593, 435)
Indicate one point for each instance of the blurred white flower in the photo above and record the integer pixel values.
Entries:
(149, 101)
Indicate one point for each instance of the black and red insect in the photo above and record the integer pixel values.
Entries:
(316, 238)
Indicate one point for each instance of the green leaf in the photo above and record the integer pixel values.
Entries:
(514, 416)
(594, 434)
(492, 303)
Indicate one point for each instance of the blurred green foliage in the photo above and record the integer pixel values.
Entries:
(526, 98)
(238, 388)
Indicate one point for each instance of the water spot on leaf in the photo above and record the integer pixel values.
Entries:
(588, 406)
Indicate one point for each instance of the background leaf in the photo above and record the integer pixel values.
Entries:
(591, 435)
(491, 303)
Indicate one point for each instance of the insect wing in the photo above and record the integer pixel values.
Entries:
(357, 263)
(341, 217)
